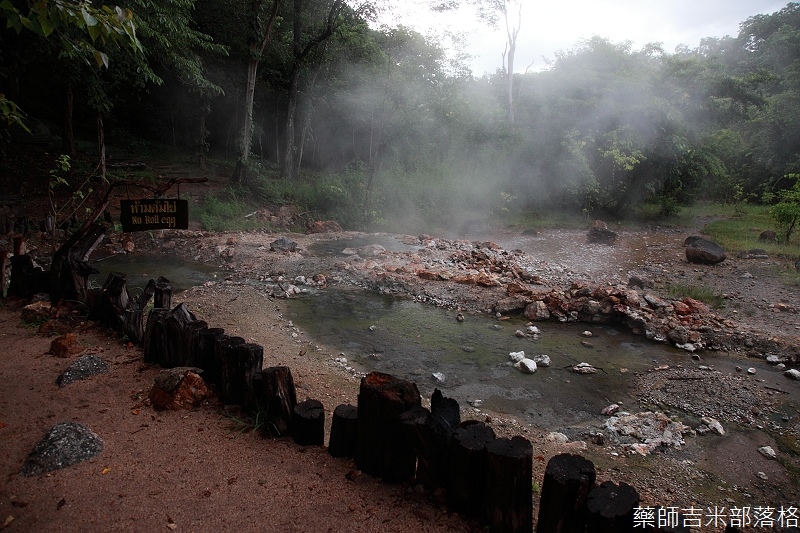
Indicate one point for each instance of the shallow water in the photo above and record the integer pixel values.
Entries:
(414, 341)
(335, 246)
(140, 269)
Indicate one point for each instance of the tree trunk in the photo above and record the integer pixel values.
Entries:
(70, 268)
(68, 136)
(567, 481)
(101, 145)
(344, 431)
(240, 175)
(289, 160)
(381, 449)
(509, 488)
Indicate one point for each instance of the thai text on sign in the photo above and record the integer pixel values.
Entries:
(154, 213)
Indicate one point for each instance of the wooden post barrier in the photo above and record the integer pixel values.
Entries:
(509, 490)
(26, 278)
(162, 298)
(251, 360)
(276, 397)
(70, 268)
(610, 508)
(113, 300)
(381, 450)
(467, 473)
(429, 434)
(567, 481)
(154, 343)
(308, 423)
(175, 324)
(344, 431)
(207, 340)
(3, 276)
(133, 316)
(230, 375)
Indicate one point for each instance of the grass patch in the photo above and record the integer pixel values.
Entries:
(226, 214)
(701, 293)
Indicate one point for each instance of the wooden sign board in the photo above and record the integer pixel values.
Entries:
(154, 213)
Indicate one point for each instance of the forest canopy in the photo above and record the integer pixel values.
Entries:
(366, 123)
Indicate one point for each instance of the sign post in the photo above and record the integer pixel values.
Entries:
(154, 213)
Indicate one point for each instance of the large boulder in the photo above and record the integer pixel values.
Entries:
(599, 233)
(703, 251)
(178, 388)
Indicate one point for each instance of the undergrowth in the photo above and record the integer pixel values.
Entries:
(701, 293)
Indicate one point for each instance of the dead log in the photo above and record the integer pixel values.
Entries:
(276, 398)
(381, 449)
(70, 268)
(509, 488)
(344, 428)
(27, 278)
(610, 508)
(429, 434)
(568, 478)
(308, 423)
(467, 473)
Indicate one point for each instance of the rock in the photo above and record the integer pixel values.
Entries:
(519, 334)
(283, 244)
(703, 251)
(584, 368)
(555, 436)
(526, 366)
(751, 370)
(82, 368)
(537, 311)
(774, 359)
(679, 335)
(652, 429)
(438, 377)
(475, 403)
(517, 356)
(178, 388)
(532, 330)
(768, 452)
(762, 475)
(66, 444)
(542, 360)
(714, 425)
(66, 346)
(36, 313)
(610, 409)
(531, 232)
(640, 282)
(792, 373)
(371, 250)
(511, 304)
(324, 226)
(599, 233)
(587, 333)
(768, 236)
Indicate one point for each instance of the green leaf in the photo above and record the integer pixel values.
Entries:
(88, 18)
(101, 59)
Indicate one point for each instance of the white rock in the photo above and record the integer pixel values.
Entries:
(751, 370)
(792, 373)
(584, 368)
(587, 333)
(476, 403)
(438, 376)
(532, 330)
(555, 436)
(517, 356)
(542, 359)
(610, 409)
(762, 475)
(714, 425)
(768, 452)
(526, 366)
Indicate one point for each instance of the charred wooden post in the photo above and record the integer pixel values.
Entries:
(251, 359)
(70, 269)
(154, 343)
(176, 350)
(610, 508)
(208, 338)
(429, 434)
(19, 245)
(308, 423)
(191, 334)
(467, 473)
(113, 300)
(163, 294)
(26, 278)
(276, 397)
(230, 375)
(133, 317)
(567, 481)
(381, 449)
(509, 485)
(344, 431)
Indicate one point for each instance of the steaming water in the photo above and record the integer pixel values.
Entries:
(140, 269)
(335, 246)
(414, 341)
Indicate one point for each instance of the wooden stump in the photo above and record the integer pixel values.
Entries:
(381, 449)
(230, 375)
(133, 316)
(567, 481)
(191, 339)
(276, 398)
(308, 423)
(509, 491)
(344, 431)
(429, 434)
(208, 338)
(3, 276)
(467, 472)
(162, 296)
(26, 278)
(251, 359)
(113, 301)
(176, 350)
(610, 508)
(154, 340)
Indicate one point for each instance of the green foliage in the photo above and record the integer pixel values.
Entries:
(68, 190)
(228, 214)
(786, 213)
(701, 293)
